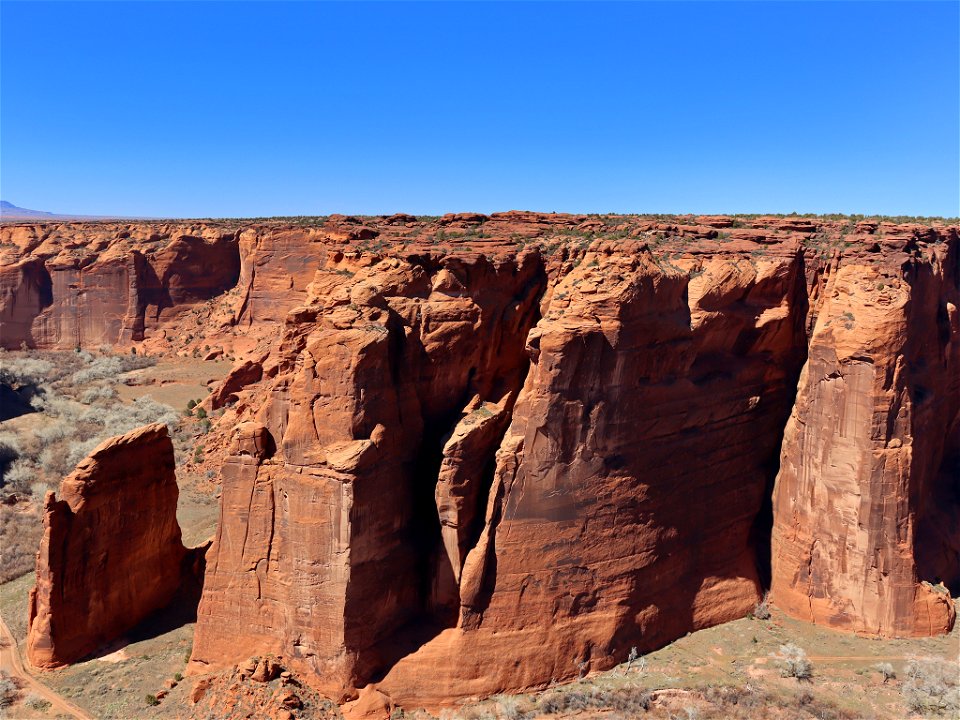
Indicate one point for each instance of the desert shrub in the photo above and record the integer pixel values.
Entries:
(54, 462)
(151, 699)
(20, 534)
(18, 372)
(10, 450)
(54, 431)
(886, 671)
(35, 702)
(794, 663)
(108, 367)
(9, 690)
(629, 700)
(101, 393)
(509, 708)
(10, 447)
(930, 687)
(19, 475)
(762, 609)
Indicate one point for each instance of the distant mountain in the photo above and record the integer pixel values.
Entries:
(9, 211)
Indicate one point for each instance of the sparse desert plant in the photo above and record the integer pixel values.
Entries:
(762, 609)
(9, 690)
(886, 671)
(35, 702)
(19, 475)
(509, 708)
(151, 699)
(18, 372)
(931, 687)
(107, 367)
(629, 700)
(98, 394)
(794, 663)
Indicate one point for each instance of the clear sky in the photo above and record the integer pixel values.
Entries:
(248, 109)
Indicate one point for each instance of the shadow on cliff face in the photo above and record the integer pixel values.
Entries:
(180, 611)
(496, 377)
(761, 532)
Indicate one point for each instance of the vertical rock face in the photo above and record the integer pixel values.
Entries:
(861, 496)
(370, 377)
(603, 530)
(104, 284)
(111, 551)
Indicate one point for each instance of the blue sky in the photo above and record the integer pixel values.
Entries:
(247, 109)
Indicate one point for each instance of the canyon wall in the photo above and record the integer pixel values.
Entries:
(72, 286)
(329, 493)
(861, 496)
(111, 551)
(474, 454)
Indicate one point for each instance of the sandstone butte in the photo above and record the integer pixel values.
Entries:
(477, 454)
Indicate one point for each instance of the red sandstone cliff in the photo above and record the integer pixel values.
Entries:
(72, 285)
(861, 496)
(111, 551)
(474, 454)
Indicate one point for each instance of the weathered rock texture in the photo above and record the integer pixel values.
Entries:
(473, 454)
(81, 286)
(860, 492)
(372, 374)
(111, 552)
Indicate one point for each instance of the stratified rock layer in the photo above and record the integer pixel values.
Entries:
(860, 476)
(111, 552)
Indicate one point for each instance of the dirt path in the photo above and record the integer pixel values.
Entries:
(11, 662)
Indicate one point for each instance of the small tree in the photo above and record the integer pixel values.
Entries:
(931, 687)
(762, 609)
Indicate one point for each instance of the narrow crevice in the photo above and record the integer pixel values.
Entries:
(761, 531)
(424, 529)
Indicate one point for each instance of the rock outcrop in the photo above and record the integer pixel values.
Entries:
(371, 376)
(604, 530)
(111, 552)
(862, 511)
